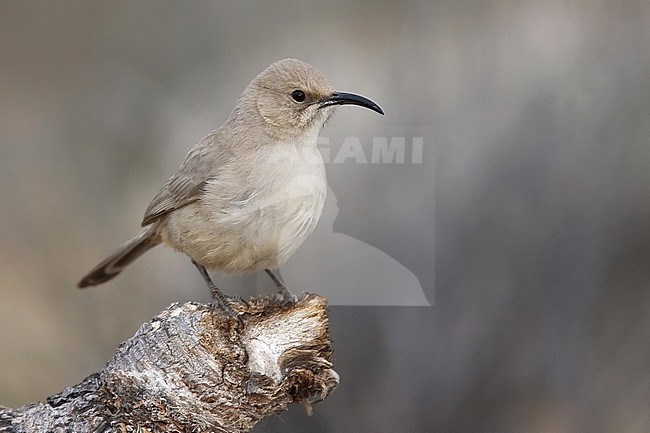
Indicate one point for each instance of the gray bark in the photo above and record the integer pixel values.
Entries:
(191, 370)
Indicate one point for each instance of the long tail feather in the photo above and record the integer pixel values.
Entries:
(123, 255)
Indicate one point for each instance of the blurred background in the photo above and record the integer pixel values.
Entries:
(535, 118)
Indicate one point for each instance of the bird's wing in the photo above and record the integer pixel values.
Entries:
(185, 186)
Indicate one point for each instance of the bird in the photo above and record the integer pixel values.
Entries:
(249, 193)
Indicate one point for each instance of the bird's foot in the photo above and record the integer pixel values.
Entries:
(220, 302)
(284, 296)
(223, 303)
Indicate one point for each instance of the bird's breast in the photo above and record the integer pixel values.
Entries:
(258, 211)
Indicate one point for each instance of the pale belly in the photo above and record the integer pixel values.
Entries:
(236, 228)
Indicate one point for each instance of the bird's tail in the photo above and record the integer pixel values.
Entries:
(123, 256)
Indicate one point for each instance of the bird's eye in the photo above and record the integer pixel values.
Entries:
(298, 95)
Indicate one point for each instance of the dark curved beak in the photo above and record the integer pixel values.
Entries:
(342, 98)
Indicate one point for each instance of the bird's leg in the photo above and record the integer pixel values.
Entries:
(284, 293)
(218, 298)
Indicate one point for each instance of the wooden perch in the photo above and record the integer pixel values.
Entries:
(191, 370)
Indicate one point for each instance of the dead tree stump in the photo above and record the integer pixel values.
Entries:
(191, 370)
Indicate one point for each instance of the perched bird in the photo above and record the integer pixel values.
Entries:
(250, 193)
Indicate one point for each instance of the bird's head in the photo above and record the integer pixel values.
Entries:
(293, 98)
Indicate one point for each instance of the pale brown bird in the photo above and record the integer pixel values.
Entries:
(250, 193)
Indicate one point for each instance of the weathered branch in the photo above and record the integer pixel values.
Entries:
(191, 370)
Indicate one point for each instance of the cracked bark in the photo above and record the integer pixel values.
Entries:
(189, 370)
